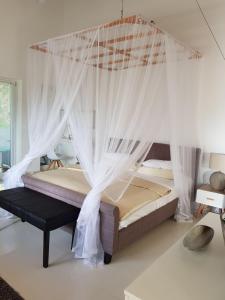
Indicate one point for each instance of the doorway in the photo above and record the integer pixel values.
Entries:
(7, 128)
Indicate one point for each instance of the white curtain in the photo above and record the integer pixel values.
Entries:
(114, 121)
(182, 81)
(53, 80)
(115, 100)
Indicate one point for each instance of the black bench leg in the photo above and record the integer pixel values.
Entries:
(46, 248)
(107, 258)
(74, 228)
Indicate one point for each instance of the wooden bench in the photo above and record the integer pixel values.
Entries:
(42, 211)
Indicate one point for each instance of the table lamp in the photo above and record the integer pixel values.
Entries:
(217, 162)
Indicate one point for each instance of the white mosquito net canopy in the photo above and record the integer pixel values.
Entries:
(117, 84)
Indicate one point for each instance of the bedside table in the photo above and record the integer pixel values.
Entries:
(206, 195)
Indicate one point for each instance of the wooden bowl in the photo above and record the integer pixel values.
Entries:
(199, 237)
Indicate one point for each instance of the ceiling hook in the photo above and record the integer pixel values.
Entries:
(122, 9)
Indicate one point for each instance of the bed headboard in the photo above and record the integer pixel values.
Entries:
(159, 151)
(162, 152)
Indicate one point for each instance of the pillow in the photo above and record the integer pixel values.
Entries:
(158, 164)
(163, 173)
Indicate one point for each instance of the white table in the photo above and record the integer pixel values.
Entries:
(180, 274)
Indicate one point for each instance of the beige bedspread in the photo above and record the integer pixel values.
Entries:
(139, 193)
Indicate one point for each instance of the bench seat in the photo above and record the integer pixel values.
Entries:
(42, 211)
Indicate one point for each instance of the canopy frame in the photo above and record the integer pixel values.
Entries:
(127, 54)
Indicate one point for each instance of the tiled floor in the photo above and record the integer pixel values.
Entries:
(70, 279)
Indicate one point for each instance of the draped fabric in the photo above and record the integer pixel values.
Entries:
(114, 121)
(53, 82)
(116, 86)
(182, 97)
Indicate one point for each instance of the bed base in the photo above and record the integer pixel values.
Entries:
(107, 258)
(139, 228)
(112, 238)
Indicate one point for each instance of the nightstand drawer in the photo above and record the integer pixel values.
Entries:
(210, 198)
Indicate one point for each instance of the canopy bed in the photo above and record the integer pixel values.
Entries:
(117, 85)
(115, 233)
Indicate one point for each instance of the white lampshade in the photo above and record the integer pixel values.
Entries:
(217, 162)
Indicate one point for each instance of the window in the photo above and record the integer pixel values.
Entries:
(7, 91)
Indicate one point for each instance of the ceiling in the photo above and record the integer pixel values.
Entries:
(189, 25)
(165, 8)
(181, 18)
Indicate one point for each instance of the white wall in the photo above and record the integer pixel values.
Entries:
(192, 30)
(23, 22)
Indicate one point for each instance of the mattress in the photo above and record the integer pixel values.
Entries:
(153, 205)
(142, 196)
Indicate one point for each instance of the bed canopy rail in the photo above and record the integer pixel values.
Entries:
(117, 50)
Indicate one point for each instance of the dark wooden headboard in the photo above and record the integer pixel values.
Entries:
(159, 151)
